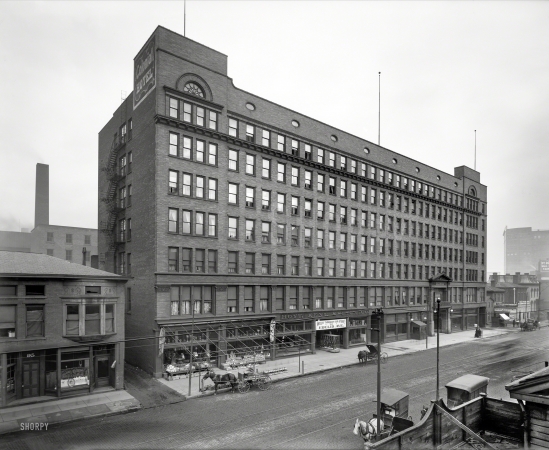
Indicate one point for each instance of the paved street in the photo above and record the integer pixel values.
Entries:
(317, 411)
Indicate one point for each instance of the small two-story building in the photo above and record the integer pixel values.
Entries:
(61, 328)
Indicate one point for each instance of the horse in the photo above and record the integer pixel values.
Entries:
(367, 430)
(362, 356)
(221, 379)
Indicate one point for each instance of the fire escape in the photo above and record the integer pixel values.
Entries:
(113, 176)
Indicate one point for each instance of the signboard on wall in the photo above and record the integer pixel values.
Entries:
(144, 72)
(544, 270)
(330, 324)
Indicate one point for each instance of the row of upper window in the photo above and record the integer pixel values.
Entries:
(68, 254)
(204, 117)
(181, 183)
(188, 260)
(346, 242)
(199, 223)
(124, 133)
(186, 300)
(89, 319)
(68, 238)
(208, 153)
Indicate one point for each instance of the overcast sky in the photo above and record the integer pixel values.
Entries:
(447, 68)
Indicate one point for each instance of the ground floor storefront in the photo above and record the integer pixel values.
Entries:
(60, 372)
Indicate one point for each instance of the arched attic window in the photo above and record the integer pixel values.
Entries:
(193, 88)
(472, 191)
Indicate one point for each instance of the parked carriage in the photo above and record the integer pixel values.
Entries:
(465, 388)
(370, 354)
(529, 325)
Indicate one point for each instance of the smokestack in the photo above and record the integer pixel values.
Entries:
(42, 195)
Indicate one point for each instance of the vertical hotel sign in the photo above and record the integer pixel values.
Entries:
(144, 73)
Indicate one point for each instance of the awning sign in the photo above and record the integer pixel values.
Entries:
(505, 317)
(330, 324)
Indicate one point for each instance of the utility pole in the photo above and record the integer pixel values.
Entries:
(378, 312)
(438, 344)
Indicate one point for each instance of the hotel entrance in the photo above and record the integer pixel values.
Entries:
(329, 333)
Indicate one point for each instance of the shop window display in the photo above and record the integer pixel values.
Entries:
(75, 370)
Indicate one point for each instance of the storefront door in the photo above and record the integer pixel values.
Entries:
(102, 367)
(31, 379)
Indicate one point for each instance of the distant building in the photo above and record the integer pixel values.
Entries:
(61, 328)
(63, 242)
(524, 248)
(520, 296)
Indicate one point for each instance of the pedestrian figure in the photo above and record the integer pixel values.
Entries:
(514, 322)
(477, 331)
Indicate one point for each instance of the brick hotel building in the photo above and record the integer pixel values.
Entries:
(247, 224)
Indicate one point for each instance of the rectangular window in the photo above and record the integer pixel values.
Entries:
(320, 210)
(34, 321)
(265, 264)
(173, 184)
(187, 184)
(212, 261)
(343, 189)
(343, 162)
(320, 156)
(187, 218)
(279, 300)
(307, 266)
(308, 179)
(264, 298)
(233, 160)
(307, 237)
(49, 237)
(281, 143)
(332, 186)
(174, 144)
(320, 238)
(250, 263)
(173, 220)
(233, 194)
(295, 147)
(331, 159)
(308, 207)
(92, 320)
(233, 262)
(281, 233)
(265, 232)
(68, 239)
(200, 114)
(232, 299)
(250, 164)
(295, 176)
(266, 169)
(250, 197)
(174, 107)
(233, 228)
(281, 203)
(320, 267)
(331, 212)
(266, 138)
(199, 224)
(212, 123)
(212, 225)
(233, 127)
(212, 189)
(280, 264)
(248, 298)
(281, 173)
(212, 154)
(308, 152)
(173, 259)
(295, 206)
(320, 182)
(186, 262)
(265, 200)
(250, 230)
(250, 133)
(295, 265)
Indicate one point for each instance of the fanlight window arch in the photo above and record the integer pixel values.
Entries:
(472, 191)
(194, 89)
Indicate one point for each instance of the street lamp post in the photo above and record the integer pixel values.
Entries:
(438, 345)
(191, 352)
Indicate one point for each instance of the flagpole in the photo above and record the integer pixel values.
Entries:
(184, 17)
(475, 149)
(379, 109)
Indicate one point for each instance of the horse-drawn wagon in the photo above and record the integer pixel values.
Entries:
(529, 325)
(250, 378)
(370, 354)
(465, 388)
(394, 416)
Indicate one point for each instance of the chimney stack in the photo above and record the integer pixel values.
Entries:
(42, 195)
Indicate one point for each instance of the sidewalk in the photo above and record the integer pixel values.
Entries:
(323, 360)
(44, 414)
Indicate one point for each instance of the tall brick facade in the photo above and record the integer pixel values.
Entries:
(391, 232)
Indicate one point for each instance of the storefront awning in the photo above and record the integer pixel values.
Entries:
(505, 317)
(419, 323)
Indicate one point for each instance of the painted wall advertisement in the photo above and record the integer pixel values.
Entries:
(144, 73)
(330, 324)
(544, 270)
